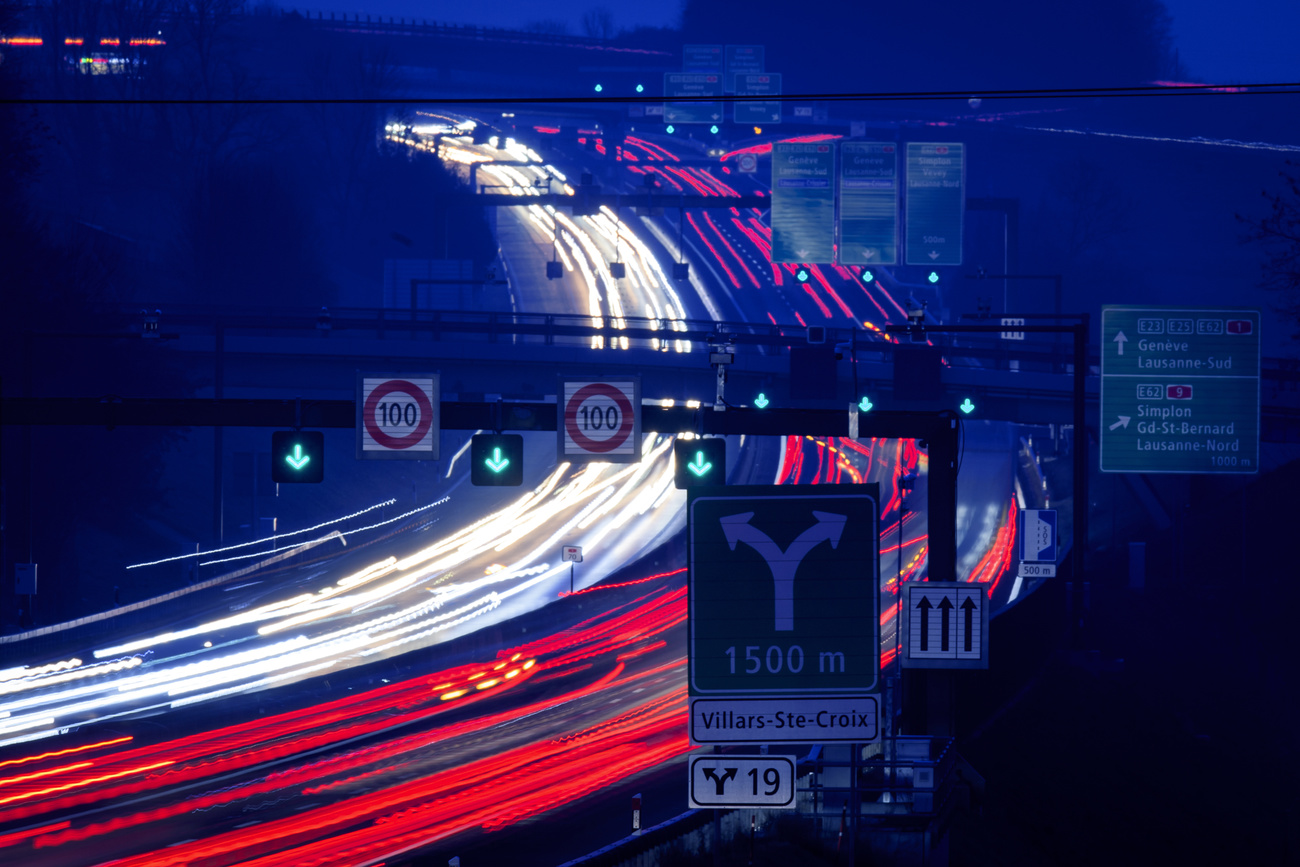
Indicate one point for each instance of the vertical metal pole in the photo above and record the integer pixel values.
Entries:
(1080, 511)
(854, 808)
(218, 438)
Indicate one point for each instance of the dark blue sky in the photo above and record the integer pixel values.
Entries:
(1241, 41)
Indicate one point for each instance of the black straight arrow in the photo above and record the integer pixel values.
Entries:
(945, 605)
(969, 607)
(925, 607)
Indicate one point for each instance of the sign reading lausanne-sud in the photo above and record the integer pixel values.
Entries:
(868, 203)
(695, 84)
(783, 612)
(758, 112)
(702, 58)
(936, 202)
(1179, 390)
(803, 202)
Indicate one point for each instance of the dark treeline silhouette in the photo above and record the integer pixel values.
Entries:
(946, 44)
(144, 205)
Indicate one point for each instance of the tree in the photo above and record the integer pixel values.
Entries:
(1278, 233)
(598, 23)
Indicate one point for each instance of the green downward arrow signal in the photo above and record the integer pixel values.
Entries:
(865, 404)
(496, 463)
(761, 401)
(966, 406)
(699, 466)
(297, 460)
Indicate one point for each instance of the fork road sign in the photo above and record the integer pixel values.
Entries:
(784, 591)
(742, 781)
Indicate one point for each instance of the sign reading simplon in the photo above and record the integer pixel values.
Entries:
(936, 202)
(784, 604)
(756, 86)
(868, 203)
(1179, 390)
(803, 202)
(742, 60)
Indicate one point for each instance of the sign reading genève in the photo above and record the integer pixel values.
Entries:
(1179, 390)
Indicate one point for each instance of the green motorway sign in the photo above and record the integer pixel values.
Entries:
(742, 60)
(868, 203)
(758, 85)
(702, 58)
(936, 202)
(694, 84)
(1179, 390)
(784, 590)
(803, 202)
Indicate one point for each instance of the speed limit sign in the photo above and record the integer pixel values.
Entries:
(599, 420)
(397, 416)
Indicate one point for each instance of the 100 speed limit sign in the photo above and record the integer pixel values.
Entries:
(397, 416)
(599, 420)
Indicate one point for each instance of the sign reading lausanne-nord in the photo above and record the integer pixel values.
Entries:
(1179, 390)
(742, 60)
(784, 613)
(868, 203)
(936, 202)
(803, 202)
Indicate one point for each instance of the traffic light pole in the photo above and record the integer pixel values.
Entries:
(1079, 330)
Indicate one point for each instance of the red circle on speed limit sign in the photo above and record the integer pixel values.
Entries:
(582, 414)
(417, 414)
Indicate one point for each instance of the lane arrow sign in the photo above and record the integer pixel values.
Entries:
(1123, 422)
(945, 606)
(925, 607)
(699, 466)
(865, 404)
(802, 253)
(966, 406)
(934, 254)
(297, 460)
(761, 401)
(968, 608)
(496, 463)
(1120, 340)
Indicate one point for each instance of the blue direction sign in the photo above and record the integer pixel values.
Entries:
(936, 202)
(1179, 390)
(868, 203)
(1038, 543)
(742, 60)
(700, 86)
(803, 202)
(761, 84)
(702, 58)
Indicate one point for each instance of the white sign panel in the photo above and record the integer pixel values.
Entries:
(1012, 322)
(784, 720)
(946, 625)
(599, 420)
(571, 553)
(397, 416)
(742, 781)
